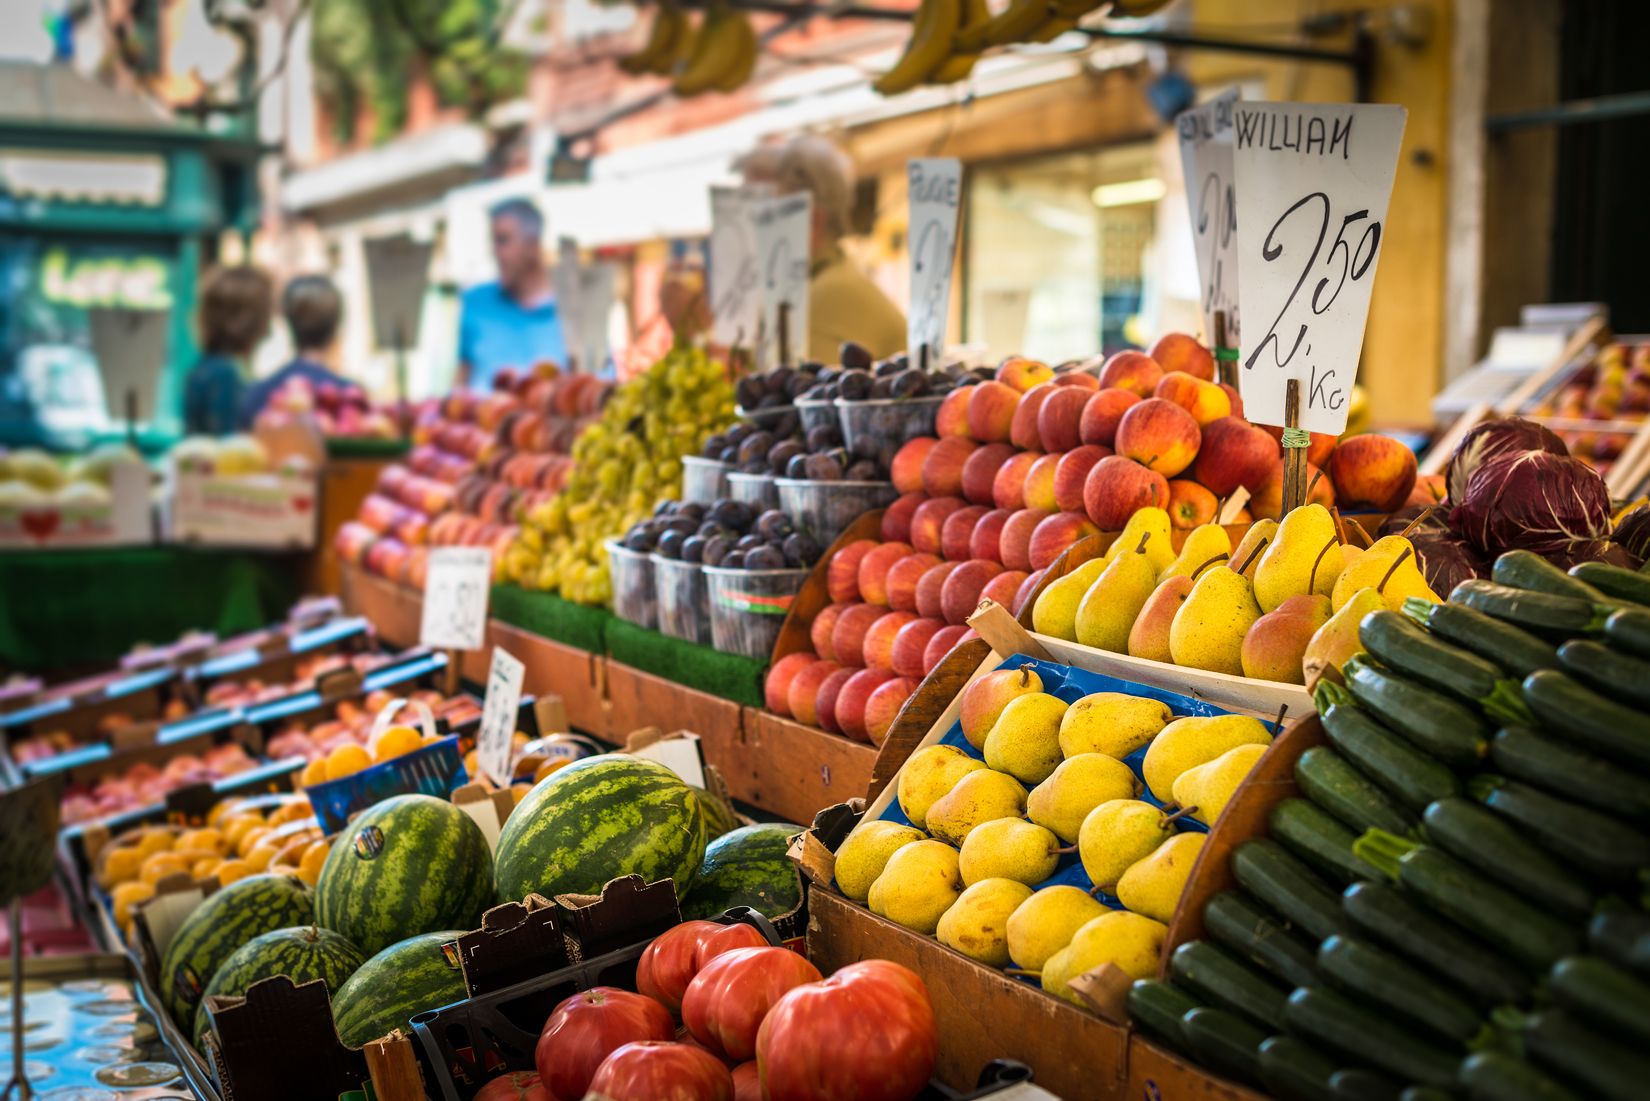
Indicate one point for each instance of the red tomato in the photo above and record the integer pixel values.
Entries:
(867, 1032)
(726, 1001)
(747, 1082)
(590, 1026)
(521, 1085)
(670, 962)
(661, 1072)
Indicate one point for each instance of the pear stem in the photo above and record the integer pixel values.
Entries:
(1022, 972)
(1206, 565)
(1311, 485)
(1063, 852)
(1254, 554)
(1419, 520)
(1098, 887)
(1340, 524)
(1145, 538)
(1312, 578)
(1170, 819)
(1399, 561)
(1277, 723)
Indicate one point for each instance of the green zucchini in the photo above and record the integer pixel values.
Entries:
(1487, 842)
(1292, 890)
(1512, 648)
(1629, 629)
(1224, 1042)
(1604, 725)
(1157, 1007)
(1564, 769)
(1446, 728)
(1614, 581)
(1329, 781)
(1411, 777)
(1604, 994)
(1242, 928)
(1616, 934)
(1294, 1071)
(1494, 1076)
(1533, 611)
(1522, 569)
(1562, 1042)
(1360, 1084)
(1400, 645)
(1382, 911)
(1308, 831)
(1374, 975)
(1220, 980)
(1502, 919)
(1608, 671)
(1337, 1022)
(1594, 841)
(1425, 1093)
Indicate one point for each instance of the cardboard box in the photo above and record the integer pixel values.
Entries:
(124, 519)
(253, 510)
(1159, 1074)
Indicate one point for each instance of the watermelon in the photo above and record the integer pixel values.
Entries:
(302, 955)
(747, 867)
(598, 819)
(412, 864)
(212, 932)
(398, 983)
(719, 816)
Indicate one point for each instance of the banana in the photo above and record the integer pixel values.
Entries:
(739, 70)
(715, 49)
(1016, 23)
(663, 41)
(932, 30)
(976, 14)
(1054, 27)
(1076, 9)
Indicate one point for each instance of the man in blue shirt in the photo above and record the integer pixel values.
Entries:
(513, 321)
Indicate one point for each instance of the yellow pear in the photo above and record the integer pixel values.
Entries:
(1246, 555)
(1133, 943)
(1009, 848)
(1207, 632)
(1113, 723)
(929, 773)
(1338, 639)
(1080, 784)
(1189, 742)
(918, 885)
(1044, 923)
(1152, 524)
(1116, 597)
(1149, 637)
(977, 923)
(978, 797)
(1025, 740)
(1153, 886)
(1204, 542)
(1301, 558)
(861, 858)
(1390, 568)
(1117, 835)
(984, 699)
(1057, 975)
(1055, 612)
(1206, 789)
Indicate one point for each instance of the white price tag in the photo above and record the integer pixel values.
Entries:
(1206, 160)
(596, 290)
(935, 189)
(498, 716)
(455, 598)
(1313, 180)
(735, 303)
(570, 306)
(783, 233)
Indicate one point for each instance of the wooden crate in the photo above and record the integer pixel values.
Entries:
(1158, 1074)
(793, 770)
(553, 668)
(394, 610)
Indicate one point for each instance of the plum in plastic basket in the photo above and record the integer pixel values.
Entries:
(880, 426)
(436, 770)
(747, 607)
(755, 490)
(682, 612)
(823, 510)
(704, 480)
(633, 585)
(818, 413)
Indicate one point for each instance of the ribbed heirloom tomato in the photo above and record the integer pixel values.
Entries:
(726, 1001)
(587, 1028)
(867, 1032)
(670, 962)
(520, 1085)
(661, 1072)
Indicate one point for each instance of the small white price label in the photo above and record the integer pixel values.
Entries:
(735, 299)
(783, 233)
(935, 188)
(570, 306)
(455, 598)
(498, 716)
(1206, 160)
(1313, 180)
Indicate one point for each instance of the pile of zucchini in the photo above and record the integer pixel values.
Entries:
(1455, 906)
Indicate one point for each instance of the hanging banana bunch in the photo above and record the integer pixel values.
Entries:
(932, 33)
(667, 42)
(722, 55)
(976, 14)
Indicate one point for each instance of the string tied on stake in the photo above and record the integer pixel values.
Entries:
(1227, 355)
(1297, 437)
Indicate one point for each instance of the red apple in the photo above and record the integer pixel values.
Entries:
(942, 469)
(873, 570)
(1004, 587)
(1319, 451)
(1022, 432)
(1180, 352)
(1015, 541)
(852, 699)
(1205, 401)
(776, 689)
(1023, 374)
(1267, 503)
(1039, 491)
(910, 645)
(1159, 435)
(991, 412)
(1235, 398)
(903, 577)
(884, 706)
(1234, 453)
(819, 632)
(1008, 489)
(848, 638)
(959, 530)
(1050, 538)
(879, 640)
(1372, 471)
(825, 702)
(1101, 413)
(803, 695)
(1190, 505)
(1131, 370)
(988, 530)
(842, 574)
(980, 470)
(940, 645)
(1117, 487)
(928, 523)
(896, 518)
(1072, 472)
(930, 589)
(906, 469)
(1027, 588)
(963, 587)
(1059, 421)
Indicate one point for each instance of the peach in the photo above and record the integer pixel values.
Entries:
(776, 688)
(1015, 541)
(879, 640)
(952, 417)
(1050, 538)
(906, 468)
(848, 637)
(803, 695)
(1104, 409)
(1023, 374)
(1131, 370)
(884, 706)
(980, 470)
(928, 522)
(819, 631)
(903, 577)
(1117, 487)
(829, 692)
(1072, 471)
(959, 531)
(931, 589)
(1190, 504)
(1004, 587)
(911, 643)
(1159, 435)
(873, 570)
(1267, 501)
(1182, 352)
(940, 645)
(842, 575)
(942, 468)
(1022, 432)
(1317, 454)
(1060, 420)
(1008, 489)
(1039, 490)
(1078, 378)
(853, 697)
(1027, 589)
(991, 413)
(1203, 400)
(1372, 471)
(1235, 398)
(1234, 453)
(963, 586)
(988, 531)
(896, 518)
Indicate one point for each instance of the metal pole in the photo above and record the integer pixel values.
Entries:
(19, 1070)
(1573, 113)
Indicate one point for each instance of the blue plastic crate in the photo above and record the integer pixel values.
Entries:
(435, 770)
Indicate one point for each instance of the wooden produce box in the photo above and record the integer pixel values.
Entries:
(1158, 1074)
(634, 700)
(793, 770)
(395, 610)
(577, 676)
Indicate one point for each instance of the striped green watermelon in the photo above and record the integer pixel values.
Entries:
(398, 983)
(719, 816)
(213, 931)
(747, 867)
(412, 864)
(302, 955)
(597, 819)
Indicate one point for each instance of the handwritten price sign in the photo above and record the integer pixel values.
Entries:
(494, 742)
(735, 303)
(935, 185)
(783, 232)
(455, 598)
(1313, 182)
(1206, 159)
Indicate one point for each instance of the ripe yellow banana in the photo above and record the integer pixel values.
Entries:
(715, 50)
(739, 70)
(1015, 23)
(1076, 9)
(664, 40)
(976, 14)
(1052, 28)
(932, 30)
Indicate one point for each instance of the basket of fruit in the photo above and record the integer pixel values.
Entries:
(754, 489)
(633, 593)
(435, 768)
(704, 479)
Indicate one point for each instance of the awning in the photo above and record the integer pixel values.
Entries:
(399, 165)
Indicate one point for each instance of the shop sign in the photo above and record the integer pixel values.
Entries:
(455, 598)
(783, 235)
(494, 743)
(112, 282)
(934, 185)
(1206, 160)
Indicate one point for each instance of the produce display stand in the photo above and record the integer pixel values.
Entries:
(348, 475)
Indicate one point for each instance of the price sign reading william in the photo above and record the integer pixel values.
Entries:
(783, 232)
(455, 598)
(1206, 160)
(935, 185)
(498, 716)
(735, 305)
(1313, 182)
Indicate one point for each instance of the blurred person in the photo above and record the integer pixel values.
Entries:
(313, 309)
(512, 321)
(235, 309)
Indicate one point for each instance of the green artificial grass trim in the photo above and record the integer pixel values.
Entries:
(366, 447)
(728, 676)
(552, 617)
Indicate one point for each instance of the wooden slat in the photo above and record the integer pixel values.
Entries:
(577, 676)
(635, 699)
(795, 771)
(1160, 1074)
